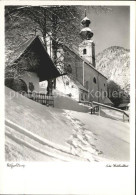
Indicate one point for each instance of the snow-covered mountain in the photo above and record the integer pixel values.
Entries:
(114, 63)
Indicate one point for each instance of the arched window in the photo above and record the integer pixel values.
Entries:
(84, 51)
(94, 80)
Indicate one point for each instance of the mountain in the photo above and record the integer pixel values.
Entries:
(114, 63)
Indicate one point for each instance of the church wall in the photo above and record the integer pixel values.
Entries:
(89, 75)
(95, 88)
(102, 87)
(86, 45)
(76, 64)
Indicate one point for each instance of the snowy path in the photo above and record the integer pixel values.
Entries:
(81, 141)
(110, 139)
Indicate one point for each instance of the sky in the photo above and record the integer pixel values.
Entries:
(110, 28)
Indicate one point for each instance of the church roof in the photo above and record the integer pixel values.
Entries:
(107, 101)
(80, 86)
(83, 59)
(46, 68)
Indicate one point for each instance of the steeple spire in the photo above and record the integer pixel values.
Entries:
(86, 32)
(87, 47)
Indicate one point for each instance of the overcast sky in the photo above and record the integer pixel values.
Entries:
(111, 28)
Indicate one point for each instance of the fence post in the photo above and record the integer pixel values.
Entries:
(99, 110)
(123, 117)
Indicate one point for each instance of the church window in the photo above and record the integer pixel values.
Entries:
(84, 51)
(94, 80)
(69, 69)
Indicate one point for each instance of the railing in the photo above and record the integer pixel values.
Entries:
(40, 98)
(96, 107)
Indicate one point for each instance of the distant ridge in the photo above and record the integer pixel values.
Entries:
(114, 63)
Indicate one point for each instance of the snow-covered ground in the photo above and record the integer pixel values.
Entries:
(67, 86)
(70, 135)
(111, 138)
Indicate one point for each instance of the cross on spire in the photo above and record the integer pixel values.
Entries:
(85, 12)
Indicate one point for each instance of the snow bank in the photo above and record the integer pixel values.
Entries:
(68, 87)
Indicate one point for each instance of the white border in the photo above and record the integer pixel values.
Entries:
(68, 178)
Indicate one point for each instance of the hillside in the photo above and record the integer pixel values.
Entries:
(39, 133)
(114, 63)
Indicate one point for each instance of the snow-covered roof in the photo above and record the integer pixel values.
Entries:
(19, 51)
(86, 18)
(86, 29)
(46, 68)
(124, 105)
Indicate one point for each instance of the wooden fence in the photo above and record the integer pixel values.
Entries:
(40, 98)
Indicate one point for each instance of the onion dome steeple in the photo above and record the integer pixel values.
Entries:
(86, 32)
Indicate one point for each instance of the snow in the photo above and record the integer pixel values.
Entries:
(67, 86)
(111, 137)
(85, 137)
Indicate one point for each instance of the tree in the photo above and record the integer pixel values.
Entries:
(61, 23)
(115, 93)
(25, 22)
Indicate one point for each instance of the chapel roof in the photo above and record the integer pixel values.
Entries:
(46, 69)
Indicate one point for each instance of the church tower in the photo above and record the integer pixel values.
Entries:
(87, 47)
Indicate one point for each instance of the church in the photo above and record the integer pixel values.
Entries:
(81, 69)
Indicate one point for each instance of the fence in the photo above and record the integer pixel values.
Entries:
(41, 98)
(97, 107)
